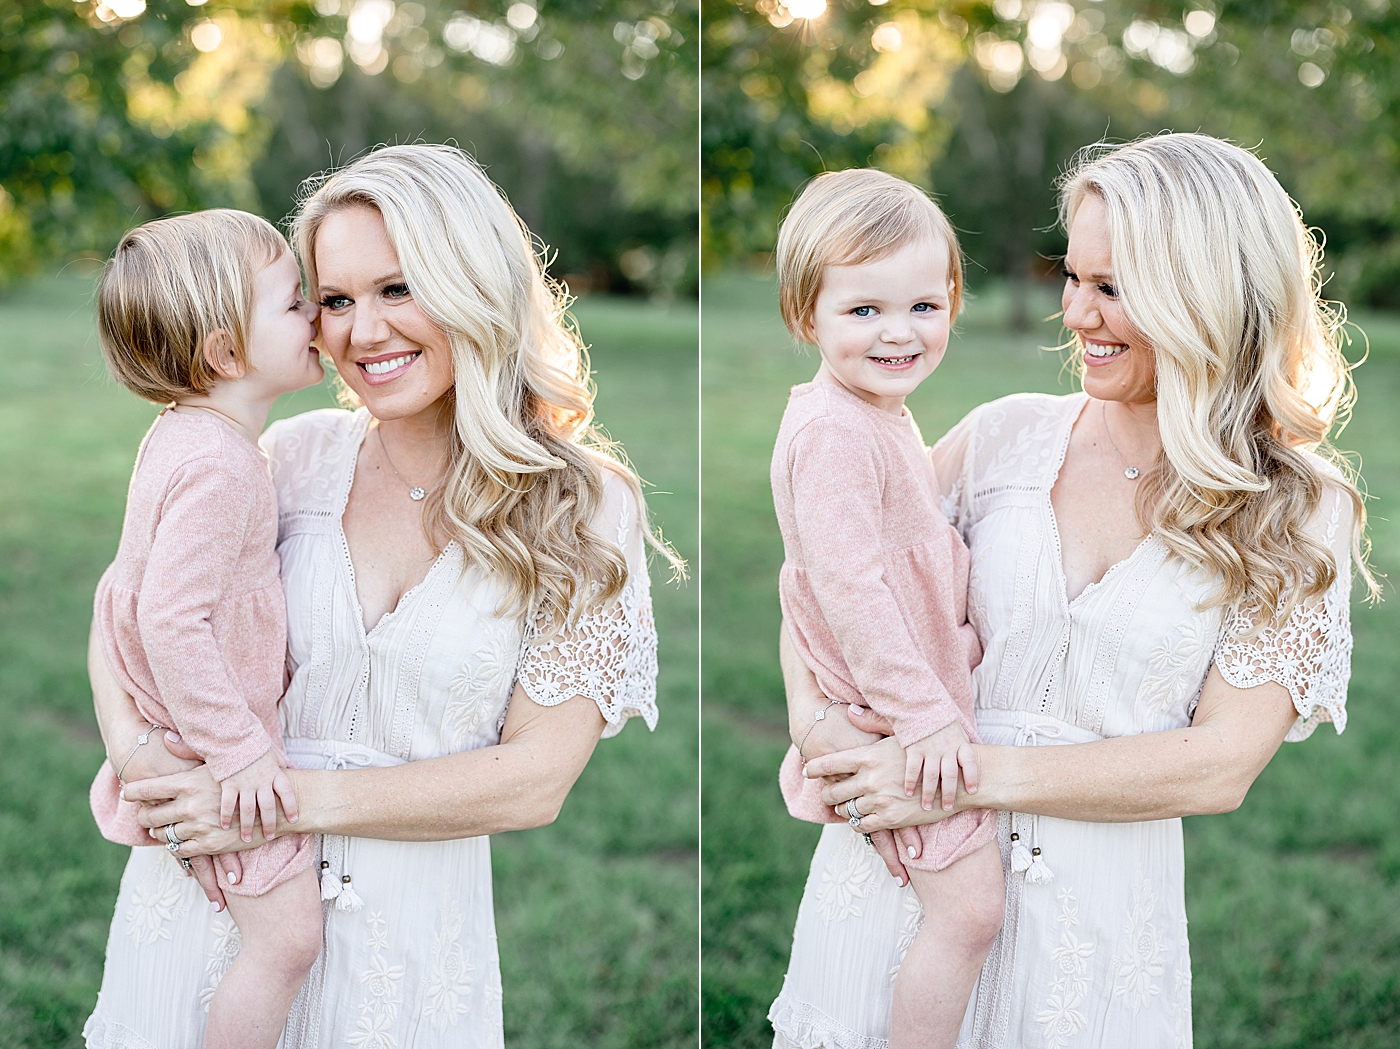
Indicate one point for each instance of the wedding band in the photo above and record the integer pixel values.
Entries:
(174, 843)
(852, 811)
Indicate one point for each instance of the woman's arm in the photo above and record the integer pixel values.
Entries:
(520, 783)
(121, 724)
(813, 737)
(1207, 767)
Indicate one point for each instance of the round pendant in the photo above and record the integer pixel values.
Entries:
(416, 494)
(1131, 473)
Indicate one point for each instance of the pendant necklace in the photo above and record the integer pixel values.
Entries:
(1130, 472)
(416, 492)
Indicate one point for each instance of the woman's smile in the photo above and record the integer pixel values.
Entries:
(386, 367)
(1098, 354)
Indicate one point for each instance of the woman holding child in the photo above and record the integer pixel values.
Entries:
(467, 613)
(1159, 578)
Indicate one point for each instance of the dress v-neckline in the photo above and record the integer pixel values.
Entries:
(358, 436)
(1059, 556)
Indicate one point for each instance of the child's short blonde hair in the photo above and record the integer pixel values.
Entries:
(845, 218)
(169, 286)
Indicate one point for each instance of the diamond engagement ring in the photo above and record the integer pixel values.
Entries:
(174, 843)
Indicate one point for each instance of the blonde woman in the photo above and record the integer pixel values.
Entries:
(1160, 576)
(468, 613)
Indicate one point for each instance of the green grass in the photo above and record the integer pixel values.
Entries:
(596, 914)
(1294, 899)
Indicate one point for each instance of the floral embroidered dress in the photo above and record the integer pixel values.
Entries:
(410, 942)
(1096, 957)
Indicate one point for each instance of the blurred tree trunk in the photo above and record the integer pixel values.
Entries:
(532, 188)
(1029, 163)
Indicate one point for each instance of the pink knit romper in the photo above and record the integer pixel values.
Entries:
(193, 622)
(874, 587)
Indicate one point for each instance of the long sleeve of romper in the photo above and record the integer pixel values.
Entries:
(838, 478)
(204, 520)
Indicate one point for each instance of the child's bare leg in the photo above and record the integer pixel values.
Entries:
(962, 913)
(281, 932)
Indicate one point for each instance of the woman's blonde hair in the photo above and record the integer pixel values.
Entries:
(1215, 268)
(169, 286)
(525, 477)
(845, 218)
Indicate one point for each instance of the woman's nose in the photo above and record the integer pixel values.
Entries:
(367, 327)
(1081, 314)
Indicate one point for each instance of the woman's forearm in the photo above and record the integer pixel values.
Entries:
(1205, 768)
(518, 784)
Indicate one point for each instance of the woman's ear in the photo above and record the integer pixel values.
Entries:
(219, 354)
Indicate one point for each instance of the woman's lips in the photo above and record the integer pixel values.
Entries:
(1101, 359)
(387, 367)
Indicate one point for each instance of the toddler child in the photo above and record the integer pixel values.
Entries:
(874, 585)
(204, 313)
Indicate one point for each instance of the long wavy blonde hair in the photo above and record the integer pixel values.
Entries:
(525, 478)
(1214, 266)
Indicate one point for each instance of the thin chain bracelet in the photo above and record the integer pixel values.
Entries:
(818, 716)
(141, 741)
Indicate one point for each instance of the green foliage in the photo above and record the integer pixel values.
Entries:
(985, 103)
(596, 913)
(118, 111)
(1292, 899)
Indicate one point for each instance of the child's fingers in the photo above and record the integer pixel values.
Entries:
(267, 806)
(228, 801)
(912, 764)
(247, 813)
(950, 779)
(282, 784)
(967, 758)
(931, 771)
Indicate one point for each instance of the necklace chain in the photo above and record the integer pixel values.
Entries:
(1130, 472)
(416, 492)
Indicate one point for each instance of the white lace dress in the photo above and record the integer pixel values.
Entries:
(410, 941)
(1097, 956)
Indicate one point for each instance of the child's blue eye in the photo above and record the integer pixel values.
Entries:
(924, 307)
(863, 311)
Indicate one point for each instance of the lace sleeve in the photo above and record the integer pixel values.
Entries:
(1310, 654)
(609, 655)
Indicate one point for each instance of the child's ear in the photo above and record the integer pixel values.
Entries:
(219, 355)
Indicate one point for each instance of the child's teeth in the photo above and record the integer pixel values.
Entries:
(384, 367)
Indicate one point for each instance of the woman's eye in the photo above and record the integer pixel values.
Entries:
(334, 302)
(396, 291)
(1068, 275)
(1109, 290)
(864, 311)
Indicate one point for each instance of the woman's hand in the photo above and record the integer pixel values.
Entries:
(875, 775)
(188, 801)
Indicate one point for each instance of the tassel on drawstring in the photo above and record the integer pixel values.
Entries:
(1020, 855)
(1039, 873)
(329, 889)
(349, 900)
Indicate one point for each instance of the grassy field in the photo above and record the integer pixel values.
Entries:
(1294, 899)
(596, 914)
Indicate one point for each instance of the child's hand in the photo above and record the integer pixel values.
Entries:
(935, 759)
(255, 790)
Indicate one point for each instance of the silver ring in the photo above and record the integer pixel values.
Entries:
(189, 867)
(852, 811)
(173, 843)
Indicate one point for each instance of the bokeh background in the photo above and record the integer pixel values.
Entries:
(116, 111)
(1292, 899)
